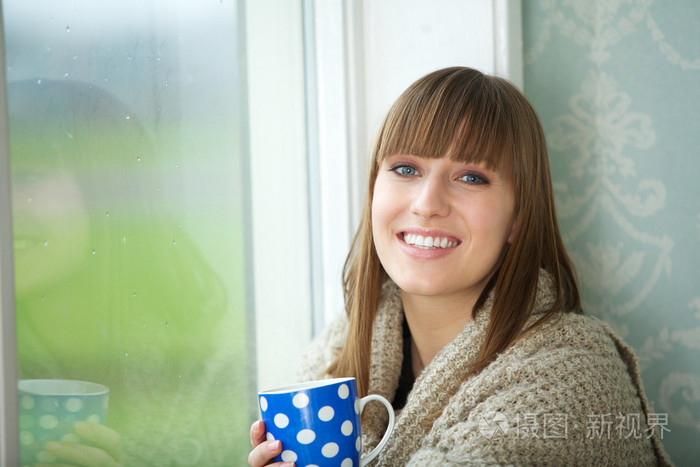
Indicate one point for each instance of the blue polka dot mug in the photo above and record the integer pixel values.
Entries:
(48, 409)
(318, 422)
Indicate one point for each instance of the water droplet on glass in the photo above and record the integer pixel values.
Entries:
(68, 29)
(173, 242)
(124, 240)
(126, 354)
(167, 324)
(134, 294)
(29, 199)
(158, 57)
(138, 158)
(107, 213)
(65, 75)
(166, 84)
(75, 57)
(93, 252)
(38, 81)
(129, 57)
(46, 243)
(127, 116)
(43, 299)
(69, 135)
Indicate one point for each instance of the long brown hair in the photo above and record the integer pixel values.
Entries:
(470, 117)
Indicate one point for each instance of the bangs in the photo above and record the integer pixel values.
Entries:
(459, 115)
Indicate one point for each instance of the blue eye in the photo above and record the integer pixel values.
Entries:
(405, 170)
(473, 179)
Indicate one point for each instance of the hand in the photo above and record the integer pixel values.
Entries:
(263, 450)
(105, 449)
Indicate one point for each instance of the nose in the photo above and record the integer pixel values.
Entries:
(431, 199)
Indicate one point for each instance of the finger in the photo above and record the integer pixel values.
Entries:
(103, 437)
(257, 433)
(264, 453)
(81, 454)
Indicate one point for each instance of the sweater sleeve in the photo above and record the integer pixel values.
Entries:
(566, 405)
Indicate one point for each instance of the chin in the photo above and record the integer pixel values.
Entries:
(425, 288)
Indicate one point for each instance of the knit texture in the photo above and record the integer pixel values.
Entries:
(569, 393)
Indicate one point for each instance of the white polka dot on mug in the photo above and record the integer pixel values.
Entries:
(318, 422)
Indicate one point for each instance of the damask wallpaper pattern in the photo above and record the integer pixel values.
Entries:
(617, 86)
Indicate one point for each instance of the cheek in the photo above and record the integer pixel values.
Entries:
(378, 220)
(492, 220)
(382, 208)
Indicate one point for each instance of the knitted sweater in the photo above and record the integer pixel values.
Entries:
(567, 394)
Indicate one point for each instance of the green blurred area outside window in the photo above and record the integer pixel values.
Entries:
(129, 194)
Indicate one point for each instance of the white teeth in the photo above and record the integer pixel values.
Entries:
(428, 242)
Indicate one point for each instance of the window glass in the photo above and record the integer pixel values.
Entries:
(129, 193)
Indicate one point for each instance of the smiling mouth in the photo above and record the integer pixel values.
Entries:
(429, 243)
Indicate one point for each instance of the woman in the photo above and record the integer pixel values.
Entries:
(462, 304)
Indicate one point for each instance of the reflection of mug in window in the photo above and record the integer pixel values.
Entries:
(109, 287)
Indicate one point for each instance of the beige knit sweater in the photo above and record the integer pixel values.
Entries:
(569, 394)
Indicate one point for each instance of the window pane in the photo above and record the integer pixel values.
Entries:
(128, 179)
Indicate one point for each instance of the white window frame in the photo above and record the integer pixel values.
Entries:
(9, 430)
(278, 158)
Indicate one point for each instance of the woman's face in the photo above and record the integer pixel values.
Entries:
(439, 226)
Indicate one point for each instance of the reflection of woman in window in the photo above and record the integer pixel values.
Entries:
(109, 288)
(462, 306)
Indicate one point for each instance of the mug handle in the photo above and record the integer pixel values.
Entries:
(376, 397)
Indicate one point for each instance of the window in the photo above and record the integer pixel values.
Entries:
(128, 142)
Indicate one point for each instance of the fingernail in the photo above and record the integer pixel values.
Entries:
(273, 446)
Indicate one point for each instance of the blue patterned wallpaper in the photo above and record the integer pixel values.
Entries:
(617, 86)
